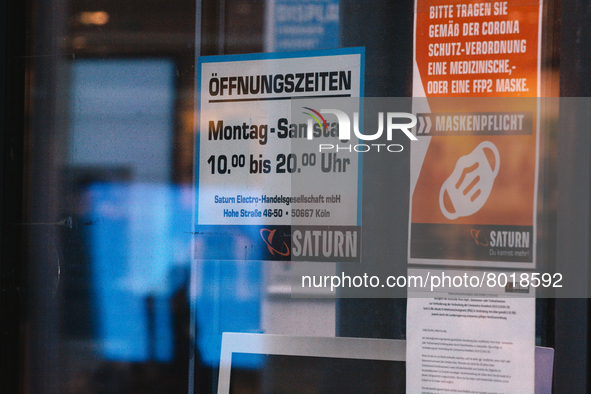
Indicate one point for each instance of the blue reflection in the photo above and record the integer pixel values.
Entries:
(140, 251)
(228, 288)
(139, 244)
(228, 301)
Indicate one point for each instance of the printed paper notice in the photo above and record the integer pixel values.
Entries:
(470, 343)
(261, 177)
(474, 167)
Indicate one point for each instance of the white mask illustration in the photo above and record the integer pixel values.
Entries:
(468, 191)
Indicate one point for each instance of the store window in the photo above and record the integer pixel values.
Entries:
(117, 275)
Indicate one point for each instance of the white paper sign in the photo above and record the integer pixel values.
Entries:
(470, 342)
(260, 171)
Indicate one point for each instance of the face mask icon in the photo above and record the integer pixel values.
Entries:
(469, 185)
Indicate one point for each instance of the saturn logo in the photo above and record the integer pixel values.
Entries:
(479, 241)
(267, 236)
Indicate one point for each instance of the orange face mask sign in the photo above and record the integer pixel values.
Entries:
(469, 186)
(474, 165)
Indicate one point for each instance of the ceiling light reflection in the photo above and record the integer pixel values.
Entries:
(93, 18)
